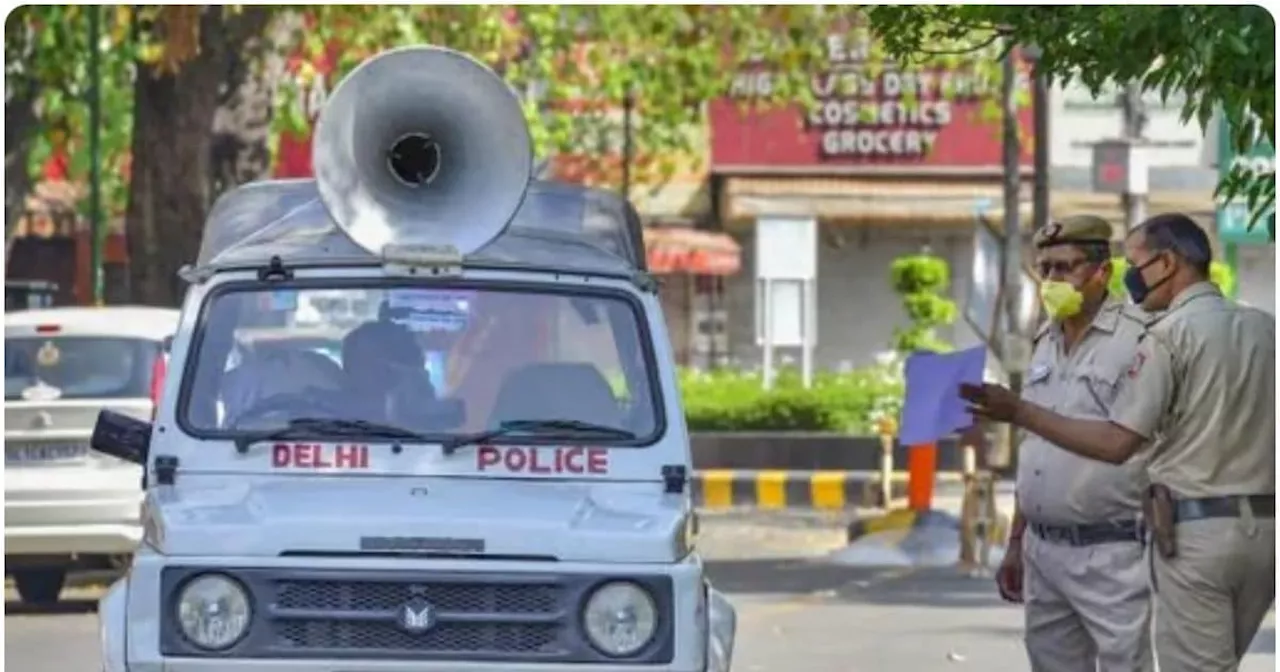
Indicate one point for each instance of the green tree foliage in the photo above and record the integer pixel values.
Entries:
(164, 61)
(574, 65)
(46, 97)
(1222, 57)
(922, 280)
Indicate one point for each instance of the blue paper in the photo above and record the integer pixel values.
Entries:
(933, 408)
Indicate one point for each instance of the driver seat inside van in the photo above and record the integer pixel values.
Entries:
(558, 391)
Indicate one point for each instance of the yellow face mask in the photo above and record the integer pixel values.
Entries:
(1060, 299)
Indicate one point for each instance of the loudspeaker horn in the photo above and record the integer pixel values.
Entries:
(422, 146)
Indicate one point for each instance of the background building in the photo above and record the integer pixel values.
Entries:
(881, 177)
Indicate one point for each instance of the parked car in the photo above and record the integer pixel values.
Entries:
(66, 507)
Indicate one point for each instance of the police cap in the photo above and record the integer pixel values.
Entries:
(1074, 230)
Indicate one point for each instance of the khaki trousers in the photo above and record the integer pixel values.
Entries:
(1088, 608)
(1212, 596)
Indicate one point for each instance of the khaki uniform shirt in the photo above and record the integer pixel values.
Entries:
(1202, 389)
(1056, 487)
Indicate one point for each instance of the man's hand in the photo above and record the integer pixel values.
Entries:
(992, 402)
(1009, 576)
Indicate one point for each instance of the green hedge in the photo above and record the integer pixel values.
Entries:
(837, 402)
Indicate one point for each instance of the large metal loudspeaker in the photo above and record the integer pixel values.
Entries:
(422, 145)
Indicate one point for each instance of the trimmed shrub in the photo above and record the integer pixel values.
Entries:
(727, 401)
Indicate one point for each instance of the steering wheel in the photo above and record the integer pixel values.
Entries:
(312, 403)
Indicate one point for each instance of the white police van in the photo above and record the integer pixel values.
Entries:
(421, 415)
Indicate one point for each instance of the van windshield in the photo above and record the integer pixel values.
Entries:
(442, 362)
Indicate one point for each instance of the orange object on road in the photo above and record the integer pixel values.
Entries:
(922, 469)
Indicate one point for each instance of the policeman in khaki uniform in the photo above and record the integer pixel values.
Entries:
(1076, 552)
(1201, 394)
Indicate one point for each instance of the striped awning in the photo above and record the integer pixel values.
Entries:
(855, 200)
(685, 250)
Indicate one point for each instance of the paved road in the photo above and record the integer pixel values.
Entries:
(793, 608)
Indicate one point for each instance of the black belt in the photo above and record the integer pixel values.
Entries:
(1184, 510)
(1090, 535)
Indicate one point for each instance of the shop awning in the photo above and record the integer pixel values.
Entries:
(683, 250)
(857, 200)
(938, 201)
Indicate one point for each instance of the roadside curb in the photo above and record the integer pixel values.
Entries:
(908, 519)
(793, 489)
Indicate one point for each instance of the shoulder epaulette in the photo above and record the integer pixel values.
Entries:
(1137, 314)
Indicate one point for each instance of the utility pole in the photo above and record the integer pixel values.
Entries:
(1011, 146)
(628, 107)
(1011, 341)
(1040, 105)
(1135, 123)
(96, 237)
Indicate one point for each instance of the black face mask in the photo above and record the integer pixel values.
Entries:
(1137, 286)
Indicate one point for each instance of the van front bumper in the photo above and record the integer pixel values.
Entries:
(234, 665)
(134, 626)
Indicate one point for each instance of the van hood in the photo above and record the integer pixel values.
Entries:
(315, 515)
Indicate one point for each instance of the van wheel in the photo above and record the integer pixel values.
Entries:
(39, 586)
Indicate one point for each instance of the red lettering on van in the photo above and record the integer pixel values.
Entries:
(319, 456)
(542, 460)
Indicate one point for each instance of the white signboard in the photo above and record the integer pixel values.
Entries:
(1080, 121)
(786, 249)
(786, 262)
(786, 312)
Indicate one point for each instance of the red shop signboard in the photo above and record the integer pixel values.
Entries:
(918, 119)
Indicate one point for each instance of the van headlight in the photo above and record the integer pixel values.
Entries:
(620, 618)
(214, 611)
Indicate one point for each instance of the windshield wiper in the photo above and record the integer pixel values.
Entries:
(536, 427)
(309, 427)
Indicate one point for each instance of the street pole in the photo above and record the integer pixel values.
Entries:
(628, 106)
(1040, 104)
(96, 238)
(1011, 147)
(1135, 122)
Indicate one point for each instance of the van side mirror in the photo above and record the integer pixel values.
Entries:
(122, 437)
(166, 344)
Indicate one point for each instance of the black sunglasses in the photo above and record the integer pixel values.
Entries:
(1061, 267)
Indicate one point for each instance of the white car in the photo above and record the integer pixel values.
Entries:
(66, 507)
(484, 468)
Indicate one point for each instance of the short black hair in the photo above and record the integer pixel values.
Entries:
(1177, 233)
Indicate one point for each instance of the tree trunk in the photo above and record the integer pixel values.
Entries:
(19, 126)
(242, 124)
(172, 181)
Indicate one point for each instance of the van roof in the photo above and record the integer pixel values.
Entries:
(559, 227)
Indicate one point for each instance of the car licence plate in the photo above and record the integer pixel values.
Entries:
(29, 454)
